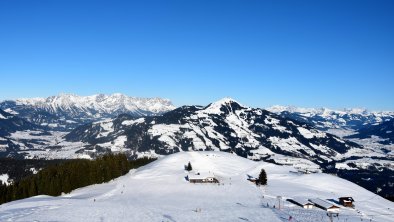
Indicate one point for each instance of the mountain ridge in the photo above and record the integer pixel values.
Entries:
(67, 111)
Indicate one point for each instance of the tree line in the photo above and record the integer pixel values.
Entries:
(65, 177)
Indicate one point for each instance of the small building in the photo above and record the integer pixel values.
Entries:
(202, 179)
(325, 205)
(302, 202)
(346, 201)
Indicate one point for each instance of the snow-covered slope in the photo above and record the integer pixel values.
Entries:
(66, 111)
(159, 192)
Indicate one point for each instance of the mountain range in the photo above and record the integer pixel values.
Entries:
(224, 125)
(69, 126)
(324, 118)
(67, 111)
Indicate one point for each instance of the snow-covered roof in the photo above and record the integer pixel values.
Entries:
(200, 177)
(323, 203)
(300, 200)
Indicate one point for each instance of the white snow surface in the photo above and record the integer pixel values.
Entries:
(214, 108)
(9, 110)
(309, 134)
(159, 192)
(4, 178)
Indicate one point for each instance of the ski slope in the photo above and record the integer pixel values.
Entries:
(159, 192)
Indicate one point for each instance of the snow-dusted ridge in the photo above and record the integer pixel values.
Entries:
(67, 111)
(99, 102)
(159, 192)
(352, 118)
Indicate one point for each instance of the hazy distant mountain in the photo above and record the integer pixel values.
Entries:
(66, 111)
(324, 118)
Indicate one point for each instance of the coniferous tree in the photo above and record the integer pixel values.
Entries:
(189, 167)
(262, 180)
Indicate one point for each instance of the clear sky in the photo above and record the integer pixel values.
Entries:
(331, 53)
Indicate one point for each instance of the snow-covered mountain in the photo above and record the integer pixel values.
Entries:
(159, 192)
(253, 133)
(67, 111)
(224, 125)
(324, 118)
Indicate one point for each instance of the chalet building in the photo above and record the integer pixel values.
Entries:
(346, 201)
(325, 205)
(202, 179)
(302, 202)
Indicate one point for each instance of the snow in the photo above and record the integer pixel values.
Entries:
(9, 110)
(336, 119)
(132, 122)
(2, 117)
(165, 133)
(159, 192)
(290, 144)
(341, 132)
(301, 201)
(53, 125)
(214, 108)
(42, 142)
(275, 124)
(4, 179)
(322, 203)
(309, 134)
(33, 170)
(102, 104)
(106, 126)
(365, 163)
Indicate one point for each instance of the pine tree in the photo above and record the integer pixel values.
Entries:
(189, 167)
(262, 180)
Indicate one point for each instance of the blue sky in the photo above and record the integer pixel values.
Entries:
(332, 53)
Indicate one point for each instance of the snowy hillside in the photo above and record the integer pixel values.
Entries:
(159, 192)
(66, 111)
